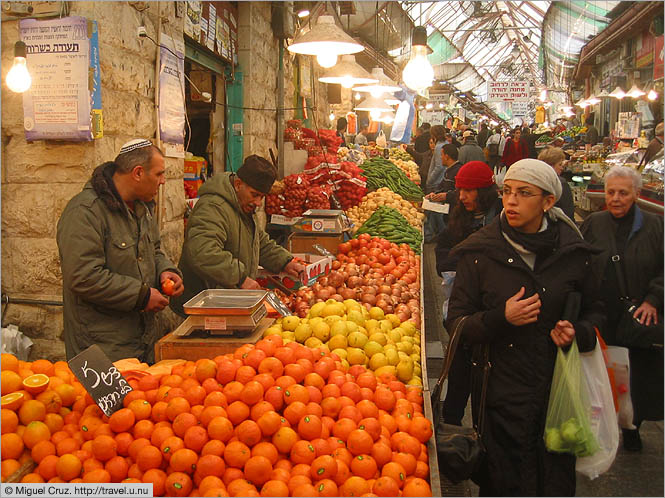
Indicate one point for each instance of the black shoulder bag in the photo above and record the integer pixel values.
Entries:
(460, 449)
(630, 332)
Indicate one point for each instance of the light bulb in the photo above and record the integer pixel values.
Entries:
(418, 73)
(388, 120)
(375, 114)
(347, 81)
(327, 59)
(376, 92)
(440, 106)
(652, 95)
(18, 78)
(358, 96)
(332, 116)
(429, 106)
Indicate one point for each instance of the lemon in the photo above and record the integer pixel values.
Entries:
(356, 316)
(357, 340)
(394, 319)
(371, 325)
(315, 311)
(415, 381)
(351, 327)
(404, 370)
(377, 361)
(388, 369)
(392, 356)
(404, 347)
(376, 313)
(315, 320)
(394, 336)
(321, 331)
(409, 327)
(333, 308)
(379, 337)
(288, 337)
(356, 356)
(313, 342)
(415, 357)
(303, 332)
(371, 348)
(332, 319)
(341, 353)
(386, 326)
(272, 331)
(337, 342)
(290, 323)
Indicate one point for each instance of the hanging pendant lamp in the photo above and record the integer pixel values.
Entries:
(347, 73)
(635, 92)
(418, 73)
(593, 100)
(383, 84)
(618, 93)
(326, 41)
(375, 106)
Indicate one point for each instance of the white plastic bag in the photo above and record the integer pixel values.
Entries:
(15, 342)
(603, 416)
(381, 139)
(619, 360)
(447, 284)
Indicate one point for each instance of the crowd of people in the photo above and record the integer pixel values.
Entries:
(512, 259)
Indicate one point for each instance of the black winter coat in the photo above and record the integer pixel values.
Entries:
(522, 358)
(643, 270)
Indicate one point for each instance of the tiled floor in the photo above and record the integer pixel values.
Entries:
(632, 474)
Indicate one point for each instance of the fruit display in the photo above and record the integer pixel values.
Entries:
(571, 437)
(370, 338)
(381, 172)
(385, 197)
(399, 153)
(352, 155)
(275, 418)
(389, 223)
(409, 167)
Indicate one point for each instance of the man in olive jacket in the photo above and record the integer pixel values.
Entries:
(224, 244)
(111, 259)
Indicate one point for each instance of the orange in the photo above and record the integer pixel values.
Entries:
(232, 391)
(117, 467)
(301, 469)
(158, 479)
(9, 362)
(326, 487)
(12, 401)
(343, 427)
(9, 466)
(103, 448)
(244, 374)
(422, 470)
(149, 457)
(395, 471)
(213, 447)
(10, 381)
(88, 425)
(47, 467)
(323, 467)
(97, 475)
(231, 474)
(259, 409)
(170, 445)
(257, 470)
(143, 428)
(266, 380)
(251, 393)
(364, 466)
(294, 412)
(275, 488)
(68, 467)
(385, 486)
(381, 453)
(302, 452)
(421, 429)
(216, 399)
(275, 396)
(210, 465)
(195, 438)
(248, 432)
(35, 432)
(269, 423)
(236, 454)
(36, 383)
(54, 422)
(176, 406)
(11, 445)
(196, 395)
(384, 399)
(122, 420)
(354, 486)
(141, 409)
(205, 369)
(31, 410)
(330, 407)
(8, 421)
(241, 487)
(343, 454)
(209, 482)
(371, 426)
(406, 460)
(417, 487)
(267, 450)
(409, 444)
(184, 460)
(284, 439)
(209, 413)
(159, 434)
(123, 440)
(32, 477)
(183, 422)
(296, 392)
(220, 428)
(237, 412)
(310, 427)
(178, 484)
(66, 445)
(43, 367)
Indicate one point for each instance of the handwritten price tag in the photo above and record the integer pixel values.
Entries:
(100, 378)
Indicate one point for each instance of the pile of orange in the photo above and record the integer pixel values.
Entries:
(271, 419)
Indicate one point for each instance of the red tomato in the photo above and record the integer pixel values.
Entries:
(344, 248)
(167, 287)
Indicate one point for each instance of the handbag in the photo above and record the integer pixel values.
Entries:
(630, 332)
(460, 450)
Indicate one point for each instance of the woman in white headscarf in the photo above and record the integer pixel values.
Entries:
(515, 278)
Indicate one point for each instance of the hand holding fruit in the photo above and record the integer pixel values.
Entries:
(171, 283)
(294, 267)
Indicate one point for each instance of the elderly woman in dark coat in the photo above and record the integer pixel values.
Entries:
(638, 239)
(513, 280)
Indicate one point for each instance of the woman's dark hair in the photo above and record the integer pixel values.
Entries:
(437, 132)
(341, 124)
(461, 219)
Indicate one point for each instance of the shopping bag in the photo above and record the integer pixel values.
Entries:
(568, 422)
(604, 424)
(381, 139)
(618, 359)
(447, 290)
(610, 371)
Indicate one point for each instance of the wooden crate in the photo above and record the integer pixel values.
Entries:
(302, 242)
(201, 345)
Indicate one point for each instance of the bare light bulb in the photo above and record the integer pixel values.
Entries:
(652, 95)
(375, 114)
(358, 96)
(18, 78)
(332, 116)
(418, 73)
(326, 59)
(347, 81)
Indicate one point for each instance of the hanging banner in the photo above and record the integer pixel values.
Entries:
(644, 49)
(508, 91)
(520, 109)
(658, 58)
(96, 91)
(57, 105)
(172, 91)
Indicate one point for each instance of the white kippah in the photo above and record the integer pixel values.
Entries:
(137, 143)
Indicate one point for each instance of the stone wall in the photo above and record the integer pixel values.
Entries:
(39, 178)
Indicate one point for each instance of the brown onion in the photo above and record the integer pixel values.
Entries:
(336, 264)
(384, 289)
(323, 281)
(368, 298)
(348, 293)
(339, 290)
(354, 281)
(385, 297)
(396, 291)
(367, 306)
(383, 304)
(403, 316)
(390, 279)
(413, 302)
(317, 285)
(337, 297)
(323, 294)
(363, 269)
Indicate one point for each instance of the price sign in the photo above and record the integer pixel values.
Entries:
(100, 378)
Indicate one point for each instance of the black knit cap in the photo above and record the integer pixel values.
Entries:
(258, 173)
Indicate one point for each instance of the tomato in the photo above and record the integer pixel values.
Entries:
(371, 260)
(167, 287)
(376, 265)
(344, 248)
(383, 258)
(361, 259)
(397, 273)
(364, 236)
(390, 266)
(385, 244)
(375, 252)
(354, 243)
(341, 258)
(395, 252)
(400, 259)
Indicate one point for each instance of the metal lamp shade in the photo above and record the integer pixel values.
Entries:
(325, 37)
(384, 84)
(373, 104)
(347, 71)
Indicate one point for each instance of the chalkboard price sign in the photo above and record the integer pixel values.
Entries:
(100, 378)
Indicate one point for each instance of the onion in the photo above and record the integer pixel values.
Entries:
(394, 300)
(369, 290)
(390, 279)
(331, 290)
(384, 289)
(368, 298)
(323, 294)
(339, 290)
(383, 304)
(323, 281)
(396, 291)
(348, 293)
(336, 278)
(353, 281)
(385, 297)
(413, 302)
(363, 269)
(352, 270)
(336, 264)
(317, 285)
(337, 297)
(403, 316)
(367, 306)
(406, 296)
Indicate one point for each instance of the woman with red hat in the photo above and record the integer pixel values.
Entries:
(478, 205)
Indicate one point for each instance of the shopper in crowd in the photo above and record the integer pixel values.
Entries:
(515, 148)
(224, 242)
(111, 259)
(361, 137)
(655, 146)
(423, 159)
(444, 192)
(592, 135)
(483, 135)
(436, 169)
(495, 145)
(470, 150)
(341, 130)
(637, 237)
(421, 144)
(478, 204)
(513, 281)
(530, 137)
(556, 158)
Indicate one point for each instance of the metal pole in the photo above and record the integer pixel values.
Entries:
(280, 111)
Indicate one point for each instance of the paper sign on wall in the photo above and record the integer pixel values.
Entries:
(171, 91)
(508, 91)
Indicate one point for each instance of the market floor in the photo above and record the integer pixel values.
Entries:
(632, 474)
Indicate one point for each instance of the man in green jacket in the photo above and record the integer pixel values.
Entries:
(111, 259)
(224, 244)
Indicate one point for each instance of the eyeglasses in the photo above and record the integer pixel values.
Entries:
(521, 193)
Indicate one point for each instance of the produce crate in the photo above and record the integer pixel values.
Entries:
(302, 242)
(423, 342)
(434, 476)
(200, 345)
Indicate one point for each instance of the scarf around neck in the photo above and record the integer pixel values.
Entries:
(542, 244)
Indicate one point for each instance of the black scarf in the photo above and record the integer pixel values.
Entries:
(542, 244)
(624, 226)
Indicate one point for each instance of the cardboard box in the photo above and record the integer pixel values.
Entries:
(314, 221)
(316, 267)
(305, 242)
